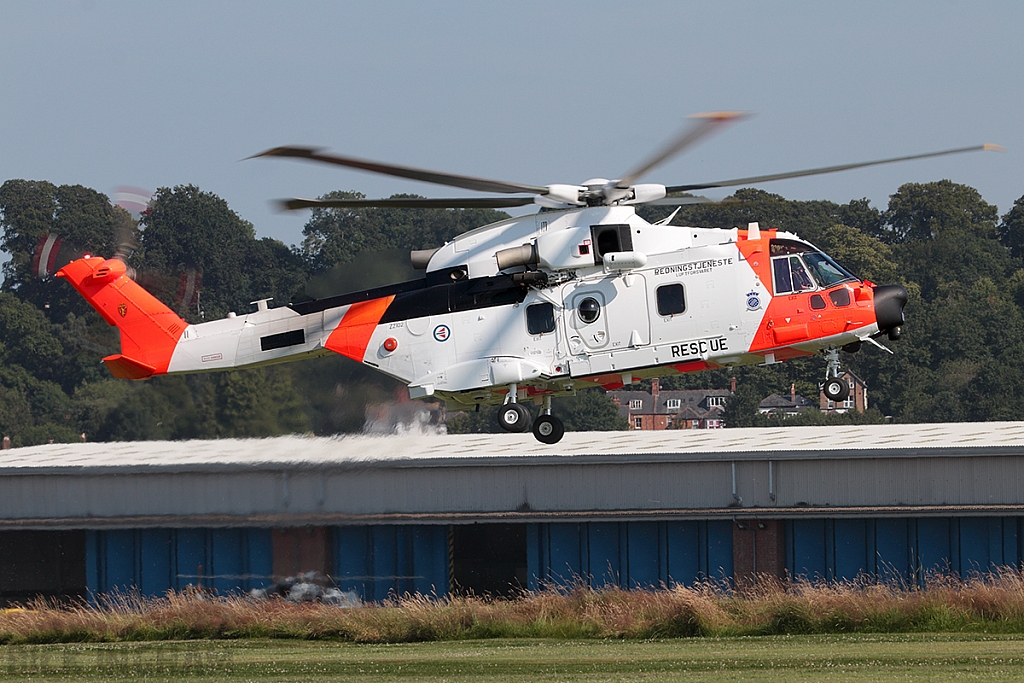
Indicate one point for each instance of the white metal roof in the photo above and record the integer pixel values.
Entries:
(786, 442)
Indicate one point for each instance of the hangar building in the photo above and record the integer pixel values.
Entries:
(489, 513)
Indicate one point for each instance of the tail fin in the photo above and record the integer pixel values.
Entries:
(149, 330)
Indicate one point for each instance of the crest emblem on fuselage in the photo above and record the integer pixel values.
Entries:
(122, 309)
(753, 301)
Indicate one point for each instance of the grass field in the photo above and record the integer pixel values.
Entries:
(990, 604)
(771, 658)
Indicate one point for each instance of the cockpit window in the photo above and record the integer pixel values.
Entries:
(826, 271)
(783, 280)
(799, 267)
(801, 281)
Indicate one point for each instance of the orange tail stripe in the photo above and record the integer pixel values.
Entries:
(353, 333)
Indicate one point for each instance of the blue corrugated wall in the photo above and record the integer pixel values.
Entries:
(382, 561)
(154, 561)
(628, 554)
(385, 560)
(906, 550)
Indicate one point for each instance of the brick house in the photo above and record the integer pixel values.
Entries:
(684, 409)
(857, 400)
(791, 404)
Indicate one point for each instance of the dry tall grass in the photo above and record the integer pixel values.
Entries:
(991, 603)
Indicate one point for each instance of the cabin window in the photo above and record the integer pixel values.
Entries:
(817, 303)
(589, 310)
(283, 340)
(840, 297)
(540, 318)
(671, 300)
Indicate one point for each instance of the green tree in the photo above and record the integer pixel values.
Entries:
(925, 211)
(334, 236)
(188, 229)
(85, 221)
(27, 337)
(865, 256)
(482, 421)
(806, 219)
(1011, 229)
(15, 412)
(741, 408)
(590, 410)
(258, 402)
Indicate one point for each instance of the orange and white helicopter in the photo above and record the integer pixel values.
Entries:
(582, 293)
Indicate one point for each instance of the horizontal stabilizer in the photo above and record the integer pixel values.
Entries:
(123, 367)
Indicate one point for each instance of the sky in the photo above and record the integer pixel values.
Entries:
(158, 94)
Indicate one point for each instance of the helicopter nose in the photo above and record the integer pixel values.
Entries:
(889, 303)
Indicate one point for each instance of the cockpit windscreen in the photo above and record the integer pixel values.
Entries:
(795, 265)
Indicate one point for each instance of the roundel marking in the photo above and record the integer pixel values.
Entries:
(441, 333)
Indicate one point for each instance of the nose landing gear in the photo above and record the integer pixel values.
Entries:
(548, 428)
(835, 388)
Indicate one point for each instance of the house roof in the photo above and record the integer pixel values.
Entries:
(777, 402)
(851, 471)
(856, 379)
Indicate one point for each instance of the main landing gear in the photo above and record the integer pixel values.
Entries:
(514, 417)
(835, 388)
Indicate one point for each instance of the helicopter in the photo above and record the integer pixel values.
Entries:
(583, 293)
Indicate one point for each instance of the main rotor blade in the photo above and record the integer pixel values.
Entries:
(704, 125)
(679, 201)
(407, 203)
(753, 180)
(450, 179)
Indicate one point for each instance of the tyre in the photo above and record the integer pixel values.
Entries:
(836, 389)
(548, 429)
(514, 418)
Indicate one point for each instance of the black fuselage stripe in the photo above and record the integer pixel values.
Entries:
(318, 305)
(418, 300)
(467, 295)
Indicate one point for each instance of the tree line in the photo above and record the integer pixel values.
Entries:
(960, 357)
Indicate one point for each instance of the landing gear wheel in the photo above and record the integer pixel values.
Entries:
(836, 389)
(548, 429)
(514, 418)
